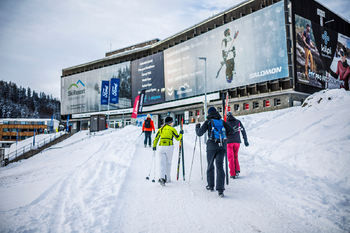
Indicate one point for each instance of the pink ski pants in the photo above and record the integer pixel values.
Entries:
(232, 157)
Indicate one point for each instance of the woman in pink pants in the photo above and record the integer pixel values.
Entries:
(233, 143)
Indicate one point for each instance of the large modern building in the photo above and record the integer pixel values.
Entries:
(265, 54)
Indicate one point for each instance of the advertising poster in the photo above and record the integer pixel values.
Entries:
(81, 93)
(148, 74)
(248, 50)
(321, 55)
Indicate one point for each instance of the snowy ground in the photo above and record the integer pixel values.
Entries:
(294, 178)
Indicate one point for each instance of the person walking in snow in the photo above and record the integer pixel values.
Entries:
(216, 149)
(147, 128)
(165, 137)
(233, 143)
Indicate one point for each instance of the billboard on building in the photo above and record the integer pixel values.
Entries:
(148, 74)
(322, 55)
(81, 93)
(246, 51)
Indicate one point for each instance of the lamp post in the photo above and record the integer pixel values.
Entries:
(205, 92)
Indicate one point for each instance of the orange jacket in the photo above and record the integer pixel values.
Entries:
(148, 129)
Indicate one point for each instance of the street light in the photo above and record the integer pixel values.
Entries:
(205, 91)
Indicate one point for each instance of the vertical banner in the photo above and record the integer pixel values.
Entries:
(136, 107)
(226, 107)
(104, 92)
(51, 126)
(67, 123)
(34, 138)
(142, 96)
(114, 92)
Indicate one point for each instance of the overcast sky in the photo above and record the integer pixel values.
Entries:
(39, 38)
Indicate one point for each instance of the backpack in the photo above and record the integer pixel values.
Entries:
(218, 132)
(147, 124)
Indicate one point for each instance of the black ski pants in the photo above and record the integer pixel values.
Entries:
(217, 156)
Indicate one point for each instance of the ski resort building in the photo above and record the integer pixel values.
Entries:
(262, 54)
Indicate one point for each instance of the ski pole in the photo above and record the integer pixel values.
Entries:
(154, 167)
(194, 149)
(200, 155)
(138, 137)
(150, 169)
(183, 153)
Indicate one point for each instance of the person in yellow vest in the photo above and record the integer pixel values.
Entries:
(165, 153)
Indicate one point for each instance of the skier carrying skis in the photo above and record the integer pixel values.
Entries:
(147, 128)
(165, 137)
(233, 143)
(229, 54)
(216, 148)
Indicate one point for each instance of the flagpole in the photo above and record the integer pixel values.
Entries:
(109, 91)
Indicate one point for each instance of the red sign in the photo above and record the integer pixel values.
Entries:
(267, 103)
(229, 108)
(246, 106)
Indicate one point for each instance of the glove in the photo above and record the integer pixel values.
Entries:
(198, 125)
(154, 132)
(246, 143)
(182, 131)
(154, 148)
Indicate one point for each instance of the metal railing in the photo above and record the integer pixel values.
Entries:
(20, 151)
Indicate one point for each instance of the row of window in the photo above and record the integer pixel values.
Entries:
(23, 122)
(21, 130)
(14, 137)
(246, 106)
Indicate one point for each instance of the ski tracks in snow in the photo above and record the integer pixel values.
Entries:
(83, 200)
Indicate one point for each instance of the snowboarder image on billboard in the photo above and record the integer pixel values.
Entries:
(307, 48)
(216, 148)
(343, 69)
(165, 153)
(228, 55)
(233, 144)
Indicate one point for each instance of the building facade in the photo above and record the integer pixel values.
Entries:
(264, 54)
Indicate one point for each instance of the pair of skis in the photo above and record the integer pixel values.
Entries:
(181, 154)
(200, 153)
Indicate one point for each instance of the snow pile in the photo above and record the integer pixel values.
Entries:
(294, 178)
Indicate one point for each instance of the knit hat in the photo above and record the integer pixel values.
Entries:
(148, 116)
(211, 109)
(168, 120)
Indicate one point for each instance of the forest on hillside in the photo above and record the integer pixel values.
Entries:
(21, 102)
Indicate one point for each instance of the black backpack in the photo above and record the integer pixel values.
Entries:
(147, 124)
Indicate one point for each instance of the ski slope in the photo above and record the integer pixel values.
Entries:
(294, 178)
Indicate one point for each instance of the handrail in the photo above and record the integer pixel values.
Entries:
(14, 154)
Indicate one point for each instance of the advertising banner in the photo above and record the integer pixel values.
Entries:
(136, 107)
(104, 92)
(141, 101)
(81, 93)
(321, 55)
(114, 93)
(245, 51)
(148, 73)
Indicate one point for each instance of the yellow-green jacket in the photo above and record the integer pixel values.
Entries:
(165, 136)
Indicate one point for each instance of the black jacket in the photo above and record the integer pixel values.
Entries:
(237, 127)
(211, 145)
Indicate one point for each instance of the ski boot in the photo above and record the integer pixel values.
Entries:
(161, 181)
(209, 188)
(221, 194)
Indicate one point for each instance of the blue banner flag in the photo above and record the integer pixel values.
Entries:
(67, 122)
(34, 138)
(104, 92)
(51, 126)
(114, 93)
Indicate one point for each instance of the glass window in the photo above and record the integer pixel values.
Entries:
(5, 130)
(236, 107)
(245, 106)
(255, 105)
(277, 102)
(13, 130)
(5, 122)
